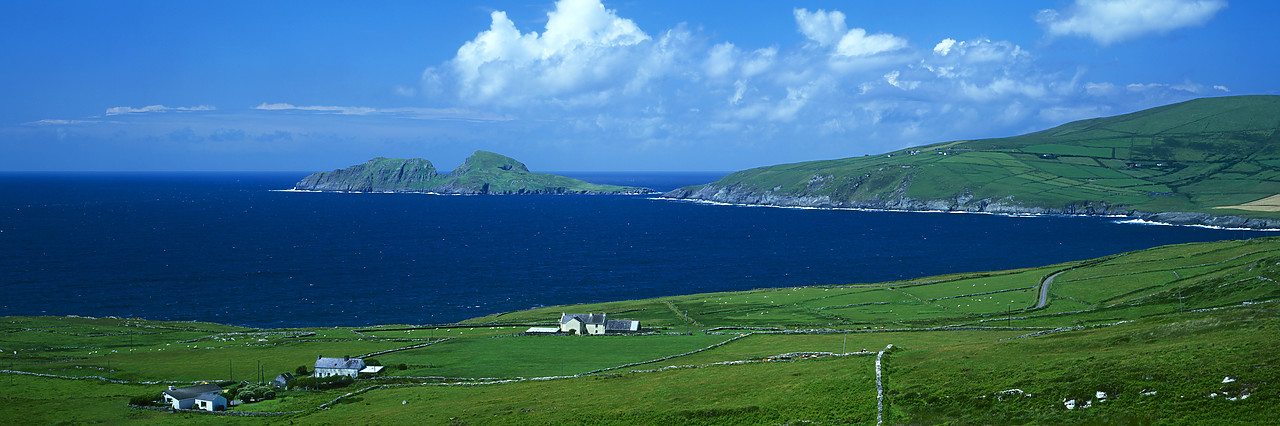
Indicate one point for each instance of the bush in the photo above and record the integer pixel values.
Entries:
(146, 399)
(372, 362)
(403, 366)
(322, 383)
(256, 392)
(301, 371)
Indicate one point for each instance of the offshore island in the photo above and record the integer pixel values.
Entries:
(482, 173)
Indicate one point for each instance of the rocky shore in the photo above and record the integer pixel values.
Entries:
(1006, 205)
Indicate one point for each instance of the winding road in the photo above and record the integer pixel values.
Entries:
(1044, 290)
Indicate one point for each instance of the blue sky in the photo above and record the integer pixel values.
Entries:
(580, 85)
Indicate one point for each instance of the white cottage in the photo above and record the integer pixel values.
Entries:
(595, 324)
(345, 366)
(204, 397)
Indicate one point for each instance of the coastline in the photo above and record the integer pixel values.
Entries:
(1188, 219)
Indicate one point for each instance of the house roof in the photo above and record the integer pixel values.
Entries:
(193, 391)
(286, 376)
(348, 363)
(543, 330)
(374, 369)
(621, 325)
(584, 318)
(208, 396)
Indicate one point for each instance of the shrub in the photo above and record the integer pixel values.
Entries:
(322, 383)
(301, 371)
(146, 399)
(372, 362)
(403, 366)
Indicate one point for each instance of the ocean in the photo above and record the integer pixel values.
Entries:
(232, 248)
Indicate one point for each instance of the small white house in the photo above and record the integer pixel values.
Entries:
(186, 397)
(595, 324)
(345, 366)
(211, 402)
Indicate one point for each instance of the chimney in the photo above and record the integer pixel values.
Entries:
(318, 357)
(346, 357)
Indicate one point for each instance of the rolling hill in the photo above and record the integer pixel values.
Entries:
(1212, 161)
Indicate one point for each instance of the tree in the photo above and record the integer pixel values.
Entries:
(301, 371)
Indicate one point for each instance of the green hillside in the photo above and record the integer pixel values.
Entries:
(482, 173)
(1180, 334)
(1207, 157)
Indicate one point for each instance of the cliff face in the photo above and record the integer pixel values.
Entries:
(482, 173)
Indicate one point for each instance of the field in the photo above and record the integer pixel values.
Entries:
(1179, 334)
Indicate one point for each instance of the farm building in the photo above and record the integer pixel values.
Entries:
(345, 366)
(595, 324)
(204, 397)
(282, 380)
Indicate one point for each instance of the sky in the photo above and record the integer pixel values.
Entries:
(585, 85)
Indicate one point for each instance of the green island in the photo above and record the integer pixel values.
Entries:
(1211, 161)
(1181, 334)
(482, 173)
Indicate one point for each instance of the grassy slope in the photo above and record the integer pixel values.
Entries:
(937, 376)
(482, 172)
(1193, 156)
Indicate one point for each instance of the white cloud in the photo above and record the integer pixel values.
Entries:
(155, 108)
(331, 109)
(857, 43)
(1111, 21)
(1222, 88)
(825, 28)
(944, 47)
(720, 60)
(828, 29)
(409, 113)
(583, 45)
(892, 79)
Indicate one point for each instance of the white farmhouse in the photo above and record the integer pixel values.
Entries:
(205, 397)
(345, 366)
(595, 324)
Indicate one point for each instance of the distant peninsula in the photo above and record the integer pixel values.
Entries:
(1212, 162)
(482, 173)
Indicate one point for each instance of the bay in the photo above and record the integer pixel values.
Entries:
(231, 248)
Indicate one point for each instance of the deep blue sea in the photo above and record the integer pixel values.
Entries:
(225, 247)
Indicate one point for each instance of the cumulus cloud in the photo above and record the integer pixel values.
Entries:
(1111, 21)
(155, 108)
(828, 29)
(582, 45)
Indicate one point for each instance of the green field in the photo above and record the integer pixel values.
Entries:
(1156, 330)
(1200, 156)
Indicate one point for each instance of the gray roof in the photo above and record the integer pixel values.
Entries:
(584, 318)
(192, 391)
(353, 363)
(208, 396)
(621, 325)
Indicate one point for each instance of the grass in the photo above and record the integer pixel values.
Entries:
(1142, 333)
